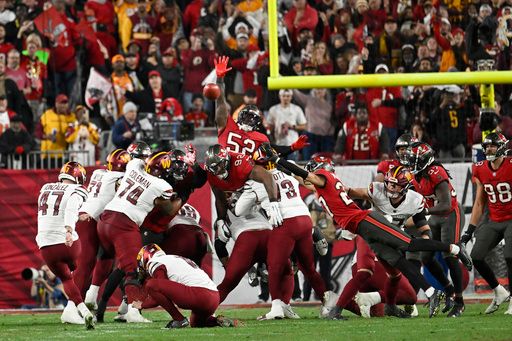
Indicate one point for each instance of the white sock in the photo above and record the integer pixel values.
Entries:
(454, 249)
(374, 297)
(83, 309)
(93, 291)
(429, 292)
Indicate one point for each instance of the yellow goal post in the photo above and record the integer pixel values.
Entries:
(276, 81)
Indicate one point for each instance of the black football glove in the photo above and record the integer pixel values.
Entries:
(466, 237)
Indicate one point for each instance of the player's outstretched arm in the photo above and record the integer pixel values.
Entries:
(260, 174)
(358, 193)
(222, 108)
(169, 206)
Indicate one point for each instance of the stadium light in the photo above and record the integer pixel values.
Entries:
(275, 81)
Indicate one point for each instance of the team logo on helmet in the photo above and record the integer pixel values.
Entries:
(139, 150)
(73, 171)
(159, 164)
(117, 160)
(420, 155)
(146, 253)
(397, 177)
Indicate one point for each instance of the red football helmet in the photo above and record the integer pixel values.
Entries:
(73, 171)
(145, 254)
(397, 181)
(159, 164)
(117, 160)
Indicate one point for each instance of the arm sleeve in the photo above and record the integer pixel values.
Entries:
(419, 219)
(245, 203)
(220, 249)
(73, 205)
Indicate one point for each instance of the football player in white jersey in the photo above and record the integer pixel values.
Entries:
(177, 281)
(398, 204)
(58, 206)
(295, 234)
(102, 188)
(140, 190)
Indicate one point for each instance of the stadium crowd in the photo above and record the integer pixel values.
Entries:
(153, 57)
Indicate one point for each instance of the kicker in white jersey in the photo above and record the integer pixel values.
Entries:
(137, 192)
(181, 270)
(58, 206)
(410, 206)
(102, 188)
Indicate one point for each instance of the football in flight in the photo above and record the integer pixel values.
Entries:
(211, 91)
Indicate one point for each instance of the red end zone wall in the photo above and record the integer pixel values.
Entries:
(19, 191)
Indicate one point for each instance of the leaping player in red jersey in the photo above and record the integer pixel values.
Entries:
(446, 221)
(493, 179)
(243, 136)
(402, 144)
(386, 240)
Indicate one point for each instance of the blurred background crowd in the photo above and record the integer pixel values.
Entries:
(84, 77)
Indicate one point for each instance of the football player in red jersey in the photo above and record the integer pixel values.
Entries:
(402, 144)
(386, 240)
(245, 135)
(493, 179)
(446, 221)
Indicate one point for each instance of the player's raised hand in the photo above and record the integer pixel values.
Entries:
(301, 142)
(221, 66)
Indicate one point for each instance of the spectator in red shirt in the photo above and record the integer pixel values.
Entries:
(300, 16)
(37, 74)
(16, 73)
(383, 104)
(191, 15)
(361, 138)
(197, 63)
(196, 114)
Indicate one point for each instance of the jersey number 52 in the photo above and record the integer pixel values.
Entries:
(237, 145)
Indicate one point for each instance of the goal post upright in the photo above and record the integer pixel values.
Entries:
(276, 82)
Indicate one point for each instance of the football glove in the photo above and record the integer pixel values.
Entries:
(223, 232)
(466, 237)
(221, 66)
(344, 234)
(273, 212)
(190, 152)
(301, 142)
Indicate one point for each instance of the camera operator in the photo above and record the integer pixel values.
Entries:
(47, 289)
(449, 124)
(126, 127)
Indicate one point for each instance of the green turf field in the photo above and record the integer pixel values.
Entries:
(474, 325)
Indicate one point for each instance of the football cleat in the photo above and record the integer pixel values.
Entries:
(123, 307)
(120, 318)
(365, 301)
(225, 322)
(464, 257)
(70, 314)
(133, 316)
(448, 304)
(89, 321)
(330, 299)
(457, 310)
(289, 313)
(501, 295)
(173, 324)
(275, 313)
(434, 302)
(335, 314)
(394, 310)
(411, 310)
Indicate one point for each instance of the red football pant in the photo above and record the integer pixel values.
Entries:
(89, 242)
(201, 301)
(61, 259)
(294, 234)
(120, 238)
(187, 241)
(250, 248)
